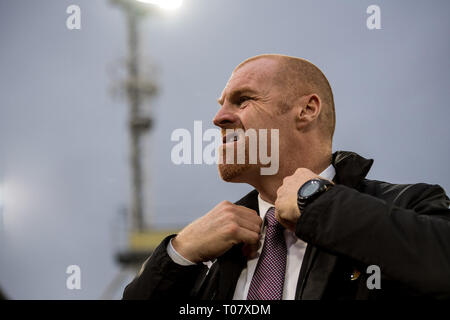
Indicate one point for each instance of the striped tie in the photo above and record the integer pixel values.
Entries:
(268, 279)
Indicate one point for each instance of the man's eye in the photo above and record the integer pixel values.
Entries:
(243, 99)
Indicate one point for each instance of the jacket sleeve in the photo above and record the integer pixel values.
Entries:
(410, 244)
(160, 278)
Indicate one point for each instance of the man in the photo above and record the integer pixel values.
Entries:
(317, 229)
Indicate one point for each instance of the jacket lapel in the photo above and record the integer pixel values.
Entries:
(318, 265)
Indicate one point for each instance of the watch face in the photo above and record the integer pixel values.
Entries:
(310, 188)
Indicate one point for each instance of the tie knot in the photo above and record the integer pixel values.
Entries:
(270, 218)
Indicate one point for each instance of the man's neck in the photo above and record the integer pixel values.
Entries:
(267, 186)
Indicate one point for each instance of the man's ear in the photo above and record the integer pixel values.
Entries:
(309, 110)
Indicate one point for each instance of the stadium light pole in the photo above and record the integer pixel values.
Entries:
(137, 89)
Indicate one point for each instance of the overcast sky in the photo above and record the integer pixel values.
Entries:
(63, 137)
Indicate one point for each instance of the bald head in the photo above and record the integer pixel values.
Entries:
(298, 77)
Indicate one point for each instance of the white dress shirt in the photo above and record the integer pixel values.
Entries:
(295, 251)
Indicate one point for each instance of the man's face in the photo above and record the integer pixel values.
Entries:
(250, 100)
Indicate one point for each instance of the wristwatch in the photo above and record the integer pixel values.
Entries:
(310, 190)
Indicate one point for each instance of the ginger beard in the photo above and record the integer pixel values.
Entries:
(230, 172)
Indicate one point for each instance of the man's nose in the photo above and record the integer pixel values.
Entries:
(226, 118)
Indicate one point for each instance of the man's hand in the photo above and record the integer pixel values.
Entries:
(216, 232)
(286, 209)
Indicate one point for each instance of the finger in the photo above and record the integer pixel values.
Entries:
(248, 214)
(252, 225)
(280, 219)
(287, 224)
(251, 250)
(245, 210)
(247, 236)
(277, 214)
(254, 248)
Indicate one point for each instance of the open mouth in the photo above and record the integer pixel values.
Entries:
(231, 138)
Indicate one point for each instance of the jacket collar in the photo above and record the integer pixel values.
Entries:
(351, 169)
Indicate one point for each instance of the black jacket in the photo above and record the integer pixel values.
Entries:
(402, 228)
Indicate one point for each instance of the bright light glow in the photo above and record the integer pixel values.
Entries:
(1, 208)
(164, 4)
(1, 198)
(15, 204)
